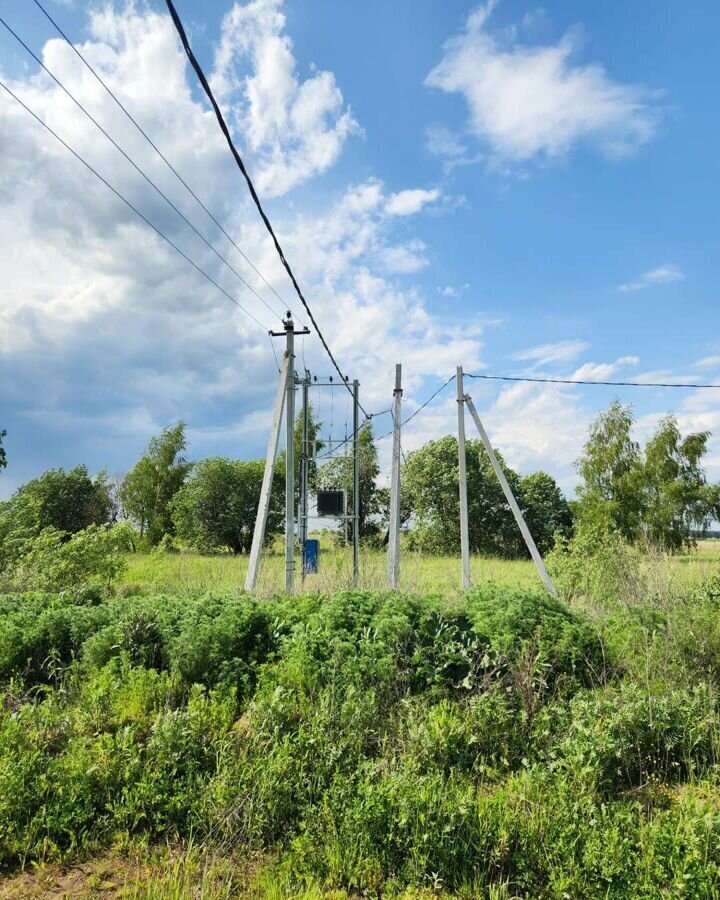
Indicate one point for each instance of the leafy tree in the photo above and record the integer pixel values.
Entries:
(712, 501)
(217, 506)
(658, 494)
(67, 501)
(150, 486)
(314, 446)
(56, 561)
(612, 472)
(382, 507)
(3, 454)
(675, 492)
(430, 479)
(546, 510)
(338, 473)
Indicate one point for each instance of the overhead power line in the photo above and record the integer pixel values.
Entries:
(657, 384)
(404, 421)
(131, 206)
(569, 381)
(160, 153)
(422, 407)
(137, 168)
(241, 165)
(351, 437)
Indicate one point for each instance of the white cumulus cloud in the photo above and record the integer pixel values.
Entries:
(295, 128)
(107, 334)
(527, 101)
(708, 362)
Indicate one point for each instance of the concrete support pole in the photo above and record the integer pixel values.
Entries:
(393, 560)
(304, 470)
(264, 504)
(462, 477)
(356, 481)
(290, 458)
(512, 502)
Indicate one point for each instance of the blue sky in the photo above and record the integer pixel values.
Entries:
(522, 189)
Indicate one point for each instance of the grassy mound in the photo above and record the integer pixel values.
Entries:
(370, 742)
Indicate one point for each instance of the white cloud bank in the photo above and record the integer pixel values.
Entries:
(528, 102)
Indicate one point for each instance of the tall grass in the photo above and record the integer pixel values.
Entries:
(190, 573)
(662, 576)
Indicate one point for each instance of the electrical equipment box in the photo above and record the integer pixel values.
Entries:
(330, 503)
(311, 555)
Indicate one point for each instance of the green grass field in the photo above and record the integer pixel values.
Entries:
(193, 573)
(190, 573)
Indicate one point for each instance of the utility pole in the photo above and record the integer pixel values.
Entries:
(356, 482)
(290, 459)
(462, 475)
(264, 504)
(393, 560)
(289, 332)
(304, 465)
(512, 502)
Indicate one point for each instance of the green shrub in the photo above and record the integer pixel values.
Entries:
(679, 846)
(595, 563)
(42, 634)
(623, 737)
(538, 638)
(55, 561)
(221, 640)
(483, 735)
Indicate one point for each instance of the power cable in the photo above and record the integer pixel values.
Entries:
(658, 384)
(241, 165)
(341, 444)
(277, 361)
(136, 166)
(131, 206)
(162, 156)
(404, 421)
(421, 408)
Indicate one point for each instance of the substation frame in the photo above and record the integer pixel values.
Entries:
(285, 397)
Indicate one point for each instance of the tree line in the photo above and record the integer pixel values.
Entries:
(657, 495)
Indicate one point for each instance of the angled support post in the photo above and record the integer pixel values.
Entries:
(264, 504)
(393, 560)
(462, 478)
(512, 502)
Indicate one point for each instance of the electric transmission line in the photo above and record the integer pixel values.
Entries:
(658, 384)
(160, 153)
(137, 167)
(251, 187)
(131, 206)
